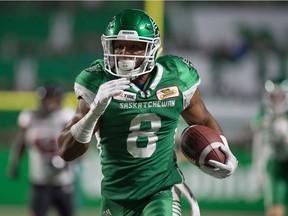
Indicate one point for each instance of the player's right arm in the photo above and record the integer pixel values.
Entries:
(69, 147)
(74, 140)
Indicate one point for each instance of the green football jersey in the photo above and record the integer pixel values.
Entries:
(138, 127)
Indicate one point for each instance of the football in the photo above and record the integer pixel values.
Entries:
(199, 144)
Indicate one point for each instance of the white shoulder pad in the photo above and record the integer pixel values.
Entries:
(188, 94)
(84, 93)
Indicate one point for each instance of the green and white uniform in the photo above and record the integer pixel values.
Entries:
(271, 154)
(138, 127)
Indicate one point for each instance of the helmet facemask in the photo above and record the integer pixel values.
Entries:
(128, 66)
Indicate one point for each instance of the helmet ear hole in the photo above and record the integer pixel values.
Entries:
(158, 42)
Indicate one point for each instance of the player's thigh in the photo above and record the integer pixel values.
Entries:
(109, 207)
(63, 199)
(161, 204)
(164, 203)
(40, 199)
(276, 189)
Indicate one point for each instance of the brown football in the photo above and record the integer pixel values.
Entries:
(199, 144)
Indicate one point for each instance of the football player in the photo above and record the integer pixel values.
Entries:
(133, 101)
(270, 147)
(51, 177)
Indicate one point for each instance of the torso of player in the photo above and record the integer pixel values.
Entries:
(137, 134)
(41, 134)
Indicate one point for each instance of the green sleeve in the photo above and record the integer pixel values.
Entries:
(89, 80)
(186, 73)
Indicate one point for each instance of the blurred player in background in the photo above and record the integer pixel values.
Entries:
(134, 101)
(270, 147)
(52, 178)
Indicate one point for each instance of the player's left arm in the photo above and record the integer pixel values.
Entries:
(197, 113)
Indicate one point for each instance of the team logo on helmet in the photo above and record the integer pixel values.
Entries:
(111, 23)
(155, 28)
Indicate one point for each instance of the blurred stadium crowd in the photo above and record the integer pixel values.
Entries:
(53, 40)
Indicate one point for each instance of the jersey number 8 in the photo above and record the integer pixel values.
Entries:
(135, 128)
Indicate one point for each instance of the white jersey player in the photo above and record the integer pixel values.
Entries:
(51, 177)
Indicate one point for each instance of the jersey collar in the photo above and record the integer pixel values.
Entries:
(153, 84)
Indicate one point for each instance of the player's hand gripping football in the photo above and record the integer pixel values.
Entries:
(106, 92)
(221, 170)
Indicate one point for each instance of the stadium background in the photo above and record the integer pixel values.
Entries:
(234, 45)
